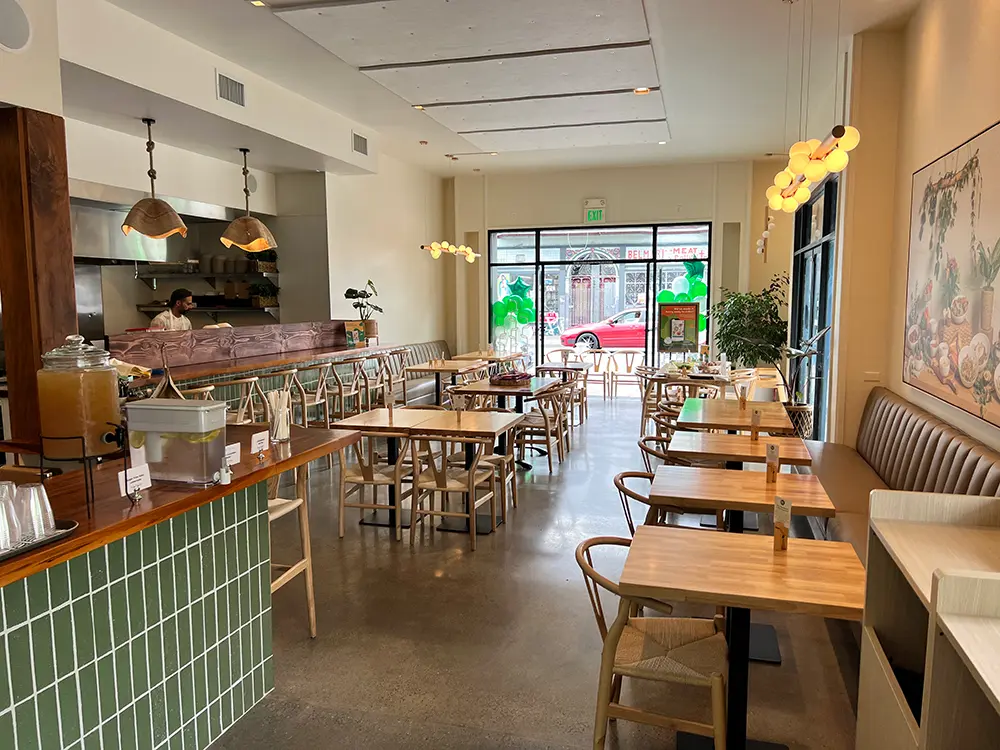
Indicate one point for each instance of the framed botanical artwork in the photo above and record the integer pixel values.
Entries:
(952, 347)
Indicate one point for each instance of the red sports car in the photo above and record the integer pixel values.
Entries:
(626, 329)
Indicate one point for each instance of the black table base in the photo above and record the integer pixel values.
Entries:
(687, 741)
(384, 518)
(461, 525)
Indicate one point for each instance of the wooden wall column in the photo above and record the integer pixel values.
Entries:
(37, 287)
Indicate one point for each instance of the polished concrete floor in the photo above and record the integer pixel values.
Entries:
(437, 647)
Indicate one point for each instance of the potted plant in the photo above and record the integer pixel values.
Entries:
(988, 265)
(265, 261)
(364, 307)
(263, 295)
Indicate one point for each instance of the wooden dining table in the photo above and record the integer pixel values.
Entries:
(452, 367)
(743, 572)
(715, 446)
(726, 414)
(564, 368)
(519, 391)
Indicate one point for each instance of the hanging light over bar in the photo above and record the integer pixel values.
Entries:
(153, 217)
(248, 232)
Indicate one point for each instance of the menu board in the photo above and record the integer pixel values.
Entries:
(678, 327)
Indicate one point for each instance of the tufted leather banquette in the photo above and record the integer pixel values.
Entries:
(900, 447)
(420, 385)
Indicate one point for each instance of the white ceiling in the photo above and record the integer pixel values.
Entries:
(728, 71)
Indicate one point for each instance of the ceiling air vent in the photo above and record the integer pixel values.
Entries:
(231, 90)
(360, 144)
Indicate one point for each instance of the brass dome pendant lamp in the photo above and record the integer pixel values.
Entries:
(246, 232)
(152, 216)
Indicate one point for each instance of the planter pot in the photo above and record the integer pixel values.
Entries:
(371, 329)
(260, 301)
(801, 416)
(986, 315)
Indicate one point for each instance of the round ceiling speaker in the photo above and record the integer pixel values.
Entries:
(15, 30)
(252, 183)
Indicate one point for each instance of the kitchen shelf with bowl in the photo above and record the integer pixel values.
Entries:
(150, 278)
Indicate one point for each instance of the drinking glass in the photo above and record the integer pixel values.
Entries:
(10, 528)
(34, 513)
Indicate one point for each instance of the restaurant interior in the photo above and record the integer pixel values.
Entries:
(410, 373)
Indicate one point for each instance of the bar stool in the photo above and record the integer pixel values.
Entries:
(315, 398)
(204, 393)
(250, 393)
(293, 386)
(345, 386)
(278, 507)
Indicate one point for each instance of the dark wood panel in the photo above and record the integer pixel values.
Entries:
(225, 344)
(36, 254)
(114, 517)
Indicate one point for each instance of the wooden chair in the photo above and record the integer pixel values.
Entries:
(345, 386)
(247, 409)
(680, 650)
(291, 384)
(315, 397)
(545, 426)
(433, 475)
(374, 387)
(653, 448)
(204, 393)
(656, 515)
(504, 464)
(278, 507)
(562, 355)
(369, 471)
(601, 359)
(398, 360)
(622, 368)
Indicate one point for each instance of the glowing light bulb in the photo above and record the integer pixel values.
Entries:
(803, 194)
(837, 160)
(814, 143)
(800, 148)
(851, 139)
(815, 171)
(772, 191)
(798, 163)
(783, 179)
(789, 205)
(775, 202)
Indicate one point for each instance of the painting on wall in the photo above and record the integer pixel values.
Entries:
(952, 330)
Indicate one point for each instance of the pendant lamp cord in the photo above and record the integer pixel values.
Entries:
(149, 149)
(246, 178)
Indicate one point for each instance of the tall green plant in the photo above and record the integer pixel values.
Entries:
(748, 325)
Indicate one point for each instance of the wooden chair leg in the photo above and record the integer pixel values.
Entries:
(513, 483)
(302, 491)
(343, 489)
(472, 520)
(719, 712)
(415, 500)
(604, 687)
(399, 511)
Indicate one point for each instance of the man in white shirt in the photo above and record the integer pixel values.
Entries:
(173, 318)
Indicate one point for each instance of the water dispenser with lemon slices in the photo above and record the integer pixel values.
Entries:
(185, 441)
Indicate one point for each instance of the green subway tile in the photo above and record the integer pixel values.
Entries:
(69, 710)
(200, 682)
(88, 697)
(102, 621)
(266, 628)
(244, 600)
(109, 736)
(207, 548)
(256, 647)
(155, 641)
(188, 736)
(173, 700)
(237, 696)
(126, 728)
(268, 675)
(219, 550)
(181, 579)
(246, 651)
(193, 530)
(187, 693)
(83, 625)
(164, 542)
(227, 710)
(258, 682)
(178, 528)
(212, 661)
(136, 603)
(205, 520)
(229, 510)
(218, 522)
(184, 654)
(232, 555)
(79, 576)
(158, 707)
(201, 724)
(215, 720)
(236, 658)
(92, 741)
(123, 674)
(176, 742)
(243, 550)
(15, 603)
(98, 561)
(76, 746)
(38, 594)
(263, 539)
(169, 646)
(233, 595)
(116, 560)
(59, 584)
(7, 729)
(5, 701)
(62, 637)
(211, 619)
(149, 552)
(119, 612)
(106, 687)
(197, 628)
(253, 548)
(248, 697)
(151, 587)
(225, 663)
(222, 613)
(27, 732)
(254, 583)
(143, 724)
(47, 706)
(194, 573)
(133, 552)
(41, 646)
(140, 674)
(19, 653)
(167, 602)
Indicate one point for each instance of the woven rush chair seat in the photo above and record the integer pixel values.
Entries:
(688, 650)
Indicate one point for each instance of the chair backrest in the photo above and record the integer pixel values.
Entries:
(424, 407)
(204, 393)
(431, 454)
(594, 581)
(367, 459)
(626, 360)
(353, 365)
(627, 494)
(560, 355)
(653, 447)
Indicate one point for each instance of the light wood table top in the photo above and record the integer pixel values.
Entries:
(921, 548)
(715, 489)
(377, 420)
(453, 366)
(528, 388)
(711, 446)
(977, 641)
(811, 577)
(477, 424)
(565, 366)
(725, 414)
(491, 356)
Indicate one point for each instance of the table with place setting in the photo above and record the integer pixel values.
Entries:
(451, 367)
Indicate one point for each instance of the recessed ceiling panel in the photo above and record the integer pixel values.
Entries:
(394, 31)
(588, 136)
(564, 73)
(562, 111)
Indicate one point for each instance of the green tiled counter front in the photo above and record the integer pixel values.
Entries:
(160, 639)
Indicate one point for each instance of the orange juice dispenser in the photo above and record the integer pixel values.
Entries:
(78, 401)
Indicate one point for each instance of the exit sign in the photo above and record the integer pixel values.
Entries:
(593, 210)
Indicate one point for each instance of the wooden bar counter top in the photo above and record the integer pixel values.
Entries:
(114, 517)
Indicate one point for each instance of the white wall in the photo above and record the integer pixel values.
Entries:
(376, 226)
(30, 78)
(303, 247)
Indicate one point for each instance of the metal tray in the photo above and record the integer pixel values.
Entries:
(63, 530)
